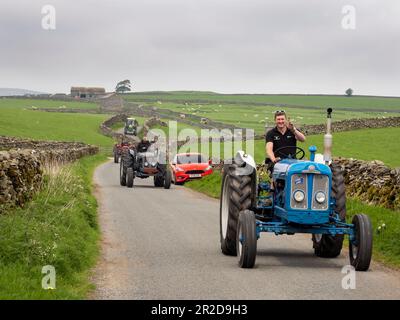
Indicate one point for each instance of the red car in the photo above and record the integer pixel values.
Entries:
(186, 166)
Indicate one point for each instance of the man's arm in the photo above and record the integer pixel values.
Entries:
(298, 135)
(268, 149)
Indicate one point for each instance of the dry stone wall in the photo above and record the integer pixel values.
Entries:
(372, 182)
(23, 161)
(153, 121)
(353, 124)
(20, 176)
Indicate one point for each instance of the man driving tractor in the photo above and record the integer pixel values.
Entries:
(284, 136)
(143, 145)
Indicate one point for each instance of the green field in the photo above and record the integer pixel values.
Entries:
(257, 117)
(363, 103)
(16, 121)
(243, 114)
(52, 104)
(180, 126)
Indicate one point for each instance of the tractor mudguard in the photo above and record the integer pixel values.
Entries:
(245, 163)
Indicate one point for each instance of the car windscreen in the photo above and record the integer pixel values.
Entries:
(191, 158)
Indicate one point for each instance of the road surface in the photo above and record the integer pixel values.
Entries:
(164, 244)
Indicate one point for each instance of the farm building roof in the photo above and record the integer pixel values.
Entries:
(89, 89)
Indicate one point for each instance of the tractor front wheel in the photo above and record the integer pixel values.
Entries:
(129, 177)
(167, 179)
(246, 239)
(116, 157)
(122, 174)
(360, 250)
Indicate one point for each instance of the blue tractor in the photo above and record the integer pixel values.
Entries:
(302, 196)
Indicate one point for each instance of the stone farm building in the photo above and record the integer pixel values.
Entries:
(86, 92)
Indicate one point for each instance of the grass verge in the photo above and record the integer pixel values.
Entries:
(386, 247)
(59, 228)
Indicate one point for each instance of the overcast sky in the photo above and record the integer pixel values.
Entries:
(255, 46)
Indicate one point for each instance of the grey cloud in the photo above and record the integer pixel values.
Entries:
(227, 46)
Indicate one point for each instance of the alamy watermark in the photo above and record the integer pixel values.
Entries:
(212, 143)
(48, 17)
(349, 17)
(49, 280)
(218, 145)
(349, 280)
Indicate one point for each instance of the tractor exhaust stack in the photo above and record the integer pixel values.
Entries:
(328, 138)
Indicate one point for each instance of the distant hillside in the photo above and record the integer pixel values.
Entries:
(17, 92)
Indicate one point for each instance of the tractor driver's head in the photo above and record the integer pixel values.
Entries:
(144, 139)
(280, 119)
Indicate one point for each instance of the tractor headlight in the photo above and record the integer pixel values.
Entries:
(320, 197)
(153, 164)
(298, 195)
(146, 164)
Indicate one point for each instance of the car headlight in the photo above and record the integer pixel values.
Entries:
(298, 195)
(320, 197)
(179, 169)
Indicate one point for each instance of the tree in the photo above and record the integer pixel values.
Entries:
(349, 92)
(123, 86)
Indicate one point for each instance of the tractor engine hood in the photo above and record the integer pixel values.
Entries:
(286, 166)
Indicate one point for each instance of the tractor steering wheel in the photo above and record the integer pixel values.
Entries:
(299, 150)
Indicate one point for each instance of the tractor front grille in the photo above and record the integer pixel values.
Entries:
(309, 184)
(299, 182)
(320, 183)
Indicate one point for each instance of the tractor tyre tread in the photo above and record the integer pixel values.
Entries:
(240, 199)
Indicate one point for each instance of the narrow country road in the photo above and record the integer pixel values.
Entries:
(164, 244)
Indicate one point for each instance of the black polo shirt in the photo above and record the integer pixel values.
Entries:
(143, 146)
(280, 140)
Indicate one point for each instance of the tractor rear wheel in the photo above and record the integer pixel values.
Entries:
(237, 194)
(328, 246)
(246, 239)
(360, 250)
(129, 177)
(158, 181)
(122, 174)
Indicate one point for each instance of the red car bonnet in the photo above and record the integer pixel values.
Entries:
(193, 166)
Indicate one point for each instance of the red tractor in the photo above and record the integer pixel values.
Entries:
(119, 148)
